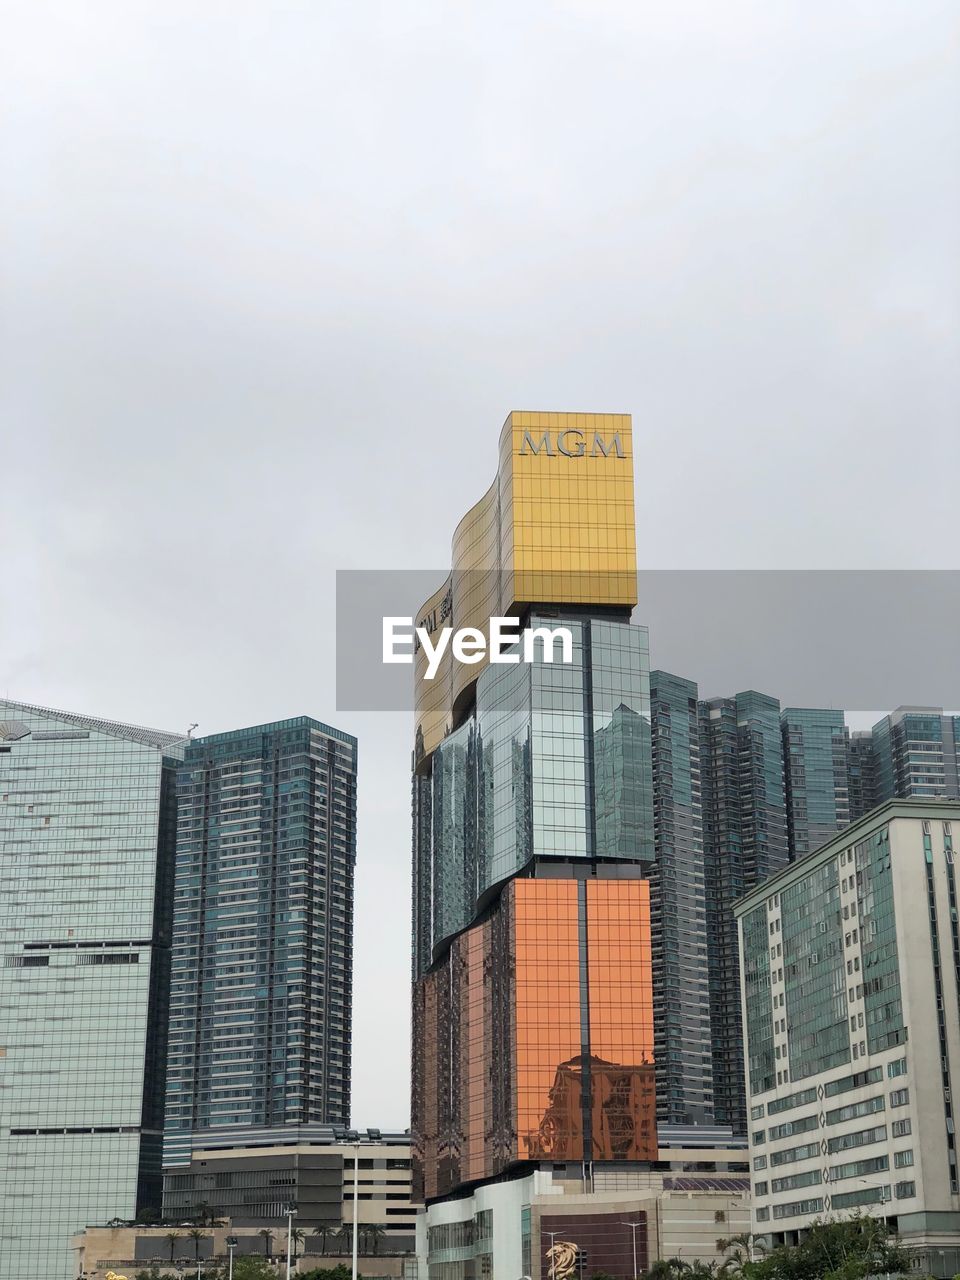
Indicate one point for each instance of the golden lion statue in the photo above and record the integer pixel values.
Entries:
(112, 1275)
(563, 1260)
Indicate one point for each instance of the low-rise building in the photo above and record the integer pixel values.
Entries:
(693, 1196)
(850, 964)
(175, 1255)
(250, 1175)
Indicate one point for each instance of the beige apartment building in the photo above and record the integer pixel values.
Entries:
(850, 964)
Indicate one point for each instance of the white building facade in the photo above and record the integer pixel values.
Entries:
(850, 964)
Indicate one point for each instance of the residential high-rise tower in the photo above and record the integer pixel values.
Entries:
(745, 841)
(851, 989)
(681, 988)
(260, 1000)
(915, 753)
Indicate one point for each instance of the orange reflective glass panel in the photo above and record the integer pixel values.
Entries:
(620, 989)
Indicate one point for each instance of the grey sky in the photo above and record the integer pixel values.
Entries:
(274, 273)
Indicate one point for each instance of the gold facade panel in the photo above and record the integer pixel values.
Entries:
(556, 526)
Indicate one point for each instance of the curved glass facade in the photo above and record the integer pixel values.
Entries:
(553, 763)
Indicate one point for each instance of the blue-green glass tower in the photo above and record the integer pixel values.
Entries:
(745, 841)
(861, 773)
(681, 990)
(552, 766)
(815, 759)
(263, 931)
(916, 754)
(87, 834)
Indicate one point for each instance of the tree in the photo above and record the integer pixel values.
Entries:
(297, 1236)
(738, 1250)
(344, 1237)
(267, 1237)
(249, 1266)
(833, 1249)
(672, 1269)
(372, 1234)
(699, 1270)
(322, 1231)
(196, 1235)
(171, 1238)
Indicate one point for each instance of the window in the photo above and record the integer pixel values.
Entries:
(760, 1188)
(858, 1168)
(871, 1195)
(797, 1209)
(759, 1162)
(854, 1110)
(899, 1097)
(791, 1154)
(862, 1138)
(811, 1178)
(790, 1127)
(904, 1190)
(897, 1068)
(853, 1082)
(790, 1101)
(902, 1159)
(900, 1128)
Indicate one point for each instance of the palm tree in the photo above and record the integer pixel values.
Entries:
(196, 1235)
(171, 1238)
(297, 1235)
(699, 1270)
(344, 1236)
(322, 1232)
(737, 1249)
(267, 1238)
(374, 1233)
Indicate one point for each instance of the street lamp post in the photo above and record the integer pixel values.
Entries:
(356, 1204)
(352, 1137)
(232, 1243)
(291, 1213)
(633, 1228)
(553, 1235)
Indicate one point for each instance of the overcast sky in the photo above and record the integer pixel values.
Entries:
(274, 273)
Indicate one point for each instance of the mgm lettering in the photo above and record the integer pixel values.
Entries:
(572, 444)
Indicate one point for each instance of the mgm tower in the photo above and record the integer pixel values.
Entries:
(533, 830)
